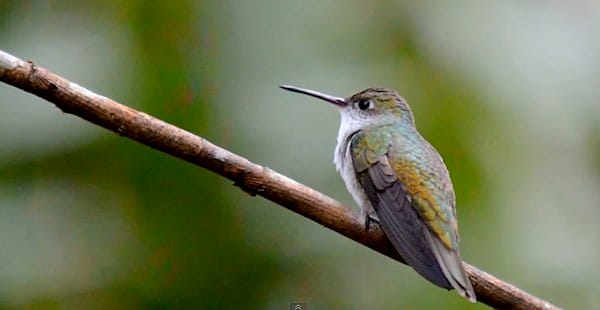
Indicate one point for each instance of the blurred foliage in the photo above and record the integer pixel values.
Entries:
(189, 250)
(91, 220)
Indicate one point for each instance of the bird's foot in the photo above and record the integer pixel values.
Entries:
(371, 221)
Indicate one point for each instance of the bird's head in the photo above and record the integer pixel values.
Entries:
(372, 107)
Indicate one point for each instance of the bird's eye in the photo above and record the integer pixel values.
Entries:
(364, 104)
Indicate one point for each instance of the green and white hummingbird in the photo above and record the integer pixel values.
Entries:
(399, 180)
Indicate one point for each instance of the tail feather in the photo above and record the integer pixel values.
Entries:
(452, 267)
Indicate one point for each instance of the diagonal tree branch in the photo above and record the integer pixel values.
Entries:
(253, 178)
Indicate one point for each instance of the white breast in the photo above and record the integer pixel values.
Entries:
(345, 166)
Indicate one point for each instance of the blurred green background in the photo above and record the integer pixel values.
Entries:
(506, 91)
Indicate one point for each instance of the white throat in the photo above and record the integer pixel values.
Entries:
(350, 123)
(344, 164)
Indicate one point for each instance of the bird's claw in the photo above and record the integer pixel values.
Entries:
(369, 220)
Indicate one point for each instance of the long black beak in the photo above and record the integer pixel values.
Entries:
(340, 102)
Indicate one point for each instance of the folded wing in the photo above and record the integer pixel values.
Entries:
(403, 224)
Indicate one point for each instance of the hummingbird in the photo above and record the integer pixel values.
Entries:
(400, 181)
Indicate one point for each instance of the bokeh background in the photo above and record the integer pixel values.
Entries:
(507, 91)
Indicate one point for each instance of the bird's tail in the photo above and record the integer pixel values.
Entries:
(452, 267)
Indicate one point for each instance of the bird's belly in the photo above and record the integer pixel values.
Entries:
(345, 167)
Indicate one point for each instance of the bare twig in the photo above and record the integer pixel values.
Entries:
(74, 99)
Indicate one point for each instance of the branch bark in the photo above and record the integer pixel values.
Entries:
(253, 178)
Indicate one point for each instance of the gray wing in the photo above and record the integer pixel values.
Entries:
(400, 220)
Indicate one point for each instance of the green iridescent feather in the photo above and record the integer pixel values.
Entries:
(426, 184)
